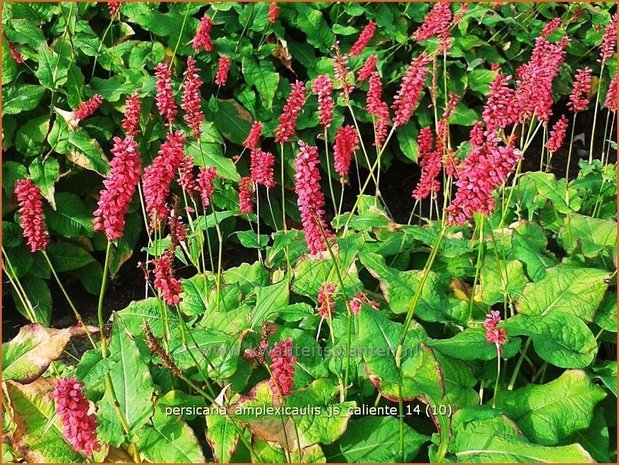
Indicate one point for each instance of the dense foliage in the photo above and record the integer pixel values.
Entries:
(481, 330)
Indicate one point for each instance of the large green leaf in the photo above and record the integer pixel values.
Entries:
(270, 300)
(222, 436)
(53, 68)
(45, 173)
(377, 440)
(132, 385)
(30, 137)
(27, 356)
(549, 413)
(168, 439)
(16, 99)
(486, 436)
(262, 75)
(311, 21)
(39, 434)
(209, 152)
(232, 120)
(68, 257)
(9, 67)
(549, 188)
(38, 298)
(471, 344)
(85, 151)
(72, 219)
(589, 236)
(577, 291)
(501, 279)
(559, 338)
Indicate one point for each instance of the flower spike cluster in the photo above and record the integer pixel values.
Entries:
(223, 69)
(609, 41)
(610, 102)
(246, 190)
(261, 168)
(15, 53)
(346, 144)
(159, 174)
(310, 198)
(251, 142)
(377, 108)
(131, 121)
(552, 25)
(579, 98)
(410, 90)
(191, 100)
(202, 38)
(165, 94)
(326, 301)
(364, 39)
(290, 113)
(87, 108)
(119, 187)
(282, 369)
(367, 69)
(206, 184)
(273, 12)
(498, 113)
(169, 287)
(430, 162)
(494, 335)
(31, 218)
(436, 22)
(323, 88)
(79, 427)
(557, 135)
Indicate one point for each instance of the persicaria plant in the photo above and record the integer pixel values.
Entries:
(309, 232)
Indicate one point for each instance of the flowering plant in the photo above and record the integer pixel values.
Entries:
(361, 233)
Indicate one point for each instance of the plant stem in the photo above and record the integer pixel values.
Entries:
(498, 375)
(512, 381)
(101, 296)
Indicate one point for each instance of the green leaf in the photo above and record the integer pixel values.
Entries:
(310, 20)
(561, 339)
(529, 246)
(72, 219)
(480, 79)
(30, 137)
(377, 440)
(39, 299)
(486, 436)
(577, 291)
(45, 173)
(169, 440)
(595, 438)
(270, 300)
(501, 280)
(549, 413)
(53, 69)
(262, 75)
(91, 370)
(68, 257)
(232, 120)
(132, 385)
(147, 311)
(11, 234)
(12, 172)
(26, 31)
(29, 354)
(222, 436)
(249, 240)
(210, 153)
(407, 139)
(39, 437)
(588, 236)
(471, 344)
(9, 67)
(550, 189)
(195, 295)
(20, 98)
(606, 316)
(606, 371)
(86, 152)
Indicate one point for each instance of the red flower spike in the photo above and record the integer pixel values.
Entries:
(610, 102)
(202, 38)
(323, 88)
(609, 41)
(364, 39)
(251, 142)
(165, 95)
(30, 207)
(261, 168)
(552, 25)
(346, 144)
(579, 98)
(290, 113)
(557, 135)
(223, 69)
(498, 113)
(436, 22)
(246, 190)
(494, 335)
(15, 53)
(367, 69)
(131, 121)
(282, 369)
(326, 301)
(79, 427)
(192, 99)
(410, 90)
(310, 198)
(273, 12)
(377, 108)
(169, 287)
(87, 108)
(206, 184)
(119, 186)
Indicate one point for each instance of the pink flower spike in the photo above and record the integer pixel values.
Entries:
(326, 301)
(431, 164)
(87, 108)
(251, 142)
(169, 287)
(192, 99)
(367, 69)
(323, 88)
(222, 70)
(186, 178)
(410, 90)
(609, 41)
(261, 168)
(131, 121)
(30, 207)
(364, 39)
(498, 113)
(15, 53)
(165, 95)
(119, 186)
(206, 184)
(246, 190)
(273, 12)
(552, 25)
(377, 108)
(310, 198)
(436, 22)
(494, 335)
(346, 144)
(282, 369)
(202, 38)
(610, 102)
(579, 98)
(79, 427)
(557, 135)
(290, 113)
